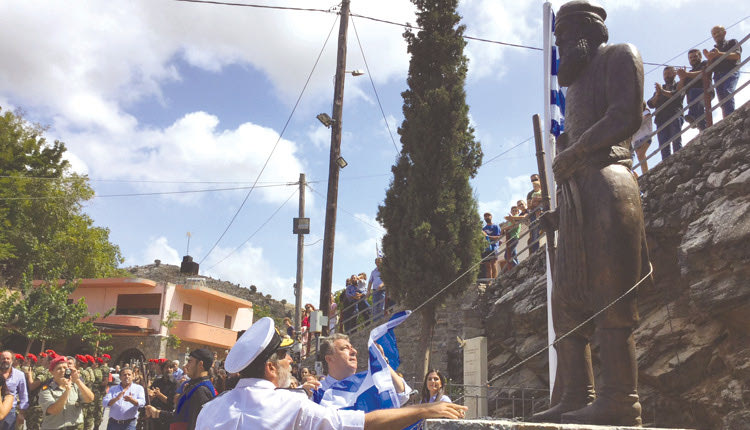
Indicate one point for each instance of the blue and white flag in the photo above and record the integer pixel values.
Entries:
(373, 389)
(557, 96)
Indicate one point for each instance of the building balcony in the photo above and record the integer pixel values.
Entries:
(126, 321)
(205, 334)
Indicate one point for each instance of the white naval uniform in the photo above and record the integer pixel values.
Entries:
(257, 404)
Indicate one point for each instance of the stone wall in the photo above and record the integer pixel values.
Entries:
(693, 339)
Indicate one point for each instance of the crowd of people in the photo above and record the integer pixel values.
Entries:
(667, 100)
(270, 396)
(53, 391)
(509, 232)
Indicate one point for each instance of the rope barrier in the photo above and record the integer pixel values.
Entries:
(588, 320)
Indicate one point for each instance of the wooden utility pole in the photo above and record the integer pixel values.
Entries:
(300, 258)
(329, 236)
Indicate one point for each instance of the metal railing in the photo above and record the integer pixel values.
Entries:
(706, 99)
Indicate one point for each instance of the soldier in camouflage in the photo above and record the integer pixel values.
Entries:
(87, 376)
(39, 375)
(98, 389)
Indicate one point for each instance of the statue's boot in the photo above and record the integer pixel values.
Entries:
(576, 375)
(617, 399)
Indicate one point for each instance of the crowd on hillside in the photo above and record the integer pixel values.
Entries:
(667, 100)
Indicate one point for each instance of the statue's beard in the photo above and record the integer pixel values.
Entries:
(573, 59)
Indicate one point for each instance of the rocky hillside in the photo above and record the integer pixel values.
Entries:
(263, 305)
(694, 335)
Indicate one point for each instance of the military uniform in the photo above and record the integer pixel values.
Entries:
(96, 405)
(70, 417)
(35, 415)
(87, 376)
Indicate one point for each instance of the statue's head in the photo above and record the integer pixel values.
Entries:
(579, 30)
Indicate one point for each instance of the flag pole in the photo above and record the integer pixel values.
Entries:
(547, 19)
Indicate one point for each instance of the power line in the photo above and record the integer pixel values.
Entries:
(505, 152)
(478, 39)
(369, 75)
(257, 6)
(375, 227)
(256, 231)
(155, 193)
(320, 54)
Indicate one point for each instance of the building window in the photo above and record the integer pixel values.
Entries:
(228, 321)
(187, 311)
(138, 304)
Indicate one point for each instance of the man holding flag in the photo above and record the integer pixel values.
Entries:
(378, 388)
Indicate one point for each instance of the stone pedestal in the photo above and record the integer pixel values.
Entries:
(514, 425)
(475, 377)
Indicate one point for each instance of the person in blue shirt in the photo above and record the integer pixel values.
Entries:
(489, 255)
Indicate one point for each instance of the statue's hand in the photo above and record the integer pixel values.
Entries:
(549, 220)
(566, 163)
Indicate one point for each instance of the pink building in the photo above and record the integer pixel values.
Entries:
(207, 318)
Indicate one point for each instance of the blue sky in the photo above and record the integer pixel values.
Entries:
(159, 96)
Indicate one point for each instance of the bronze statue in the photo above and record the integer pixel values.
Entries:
(601, 238)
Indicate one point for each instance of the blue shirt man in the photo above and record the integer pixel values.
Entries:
(15, 380)
(489, 255)
(123, 402)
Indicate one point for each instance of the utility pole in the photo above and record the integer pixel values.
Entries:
(300, 256)
(326, 274)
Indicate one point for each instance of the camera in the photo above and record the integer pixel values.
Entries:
(67, 373)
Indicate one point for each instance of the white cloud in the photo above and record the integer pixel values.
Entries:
(158, 249)
(249, 266)
(501, 21)
(194, 146)
(515, 189)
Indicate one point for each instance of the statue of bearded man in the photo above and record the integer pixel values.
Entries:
(601, 238)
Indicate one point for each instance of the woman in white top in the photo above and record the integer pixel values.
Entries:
(433, 387)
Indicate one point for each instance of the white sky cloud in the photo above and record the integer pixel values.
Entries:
(158, 249)
(250, 266)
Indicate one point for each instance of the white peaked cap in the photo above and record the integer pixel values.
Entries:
(250, 345)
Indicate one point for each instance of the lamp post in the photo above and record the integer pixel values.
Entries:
(326, 275)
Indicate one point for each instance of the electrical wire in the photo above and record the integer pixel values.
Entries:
(291, 114)
(156, 193)
(377, 97)
(373, 226)
(257, 6)
(256, 231)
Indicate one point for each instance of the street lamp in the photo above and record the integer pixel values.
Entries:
(356, 72)
(325, 119)
(341, 162)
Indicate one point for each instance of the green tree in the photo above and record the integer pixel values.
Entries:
(429, 212)
(42, 312)
(41, 219)
(172, 340)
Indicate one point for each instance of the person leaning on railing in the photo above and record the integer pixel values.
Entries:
(61, 399)
(726, 89)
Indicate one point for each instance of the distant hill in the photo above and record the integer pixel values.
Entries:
(263, 305)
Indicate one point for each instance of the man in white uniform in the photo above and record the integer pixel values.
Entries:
(256, 403)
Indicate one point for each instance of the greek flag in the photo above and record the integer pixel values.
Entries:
(557, 97)
(373, 389)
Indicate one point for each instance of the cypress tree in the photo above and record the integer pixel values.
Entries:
(430, 214)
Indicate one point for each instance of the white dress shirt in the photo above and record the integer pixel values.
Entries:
(257, 404)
